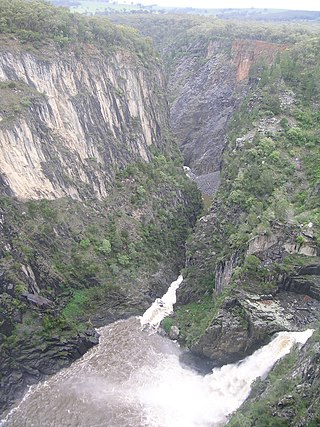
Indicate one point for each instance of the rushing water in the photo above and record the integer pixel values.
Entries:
(133, 378)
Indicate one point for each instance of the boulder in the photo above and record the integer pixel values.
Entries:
(174, 333)
(37, 300)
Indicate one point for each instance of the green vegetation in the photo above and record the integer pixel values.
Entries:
(15, 98)
(85, 301)
(283, 389)
(39, 22)
(181, 35)
(101, 8)
(167, 323)
(254, 14)
(275, 171)
(195, 317)
(95, 253)
(270, 180)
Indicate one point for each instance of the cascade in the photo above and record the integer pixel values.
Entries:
(161, 307)
(134, 378)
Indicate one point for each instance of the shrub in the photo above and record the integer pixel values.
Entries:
(167, 323)
(84, 243)
(104, 247)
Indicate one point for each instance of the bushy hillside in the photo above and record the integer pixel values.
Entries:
(38, 21)
(253, 261)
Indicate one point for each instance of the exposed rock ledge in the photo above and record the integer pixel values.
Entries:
(247, 321)
(28, 363)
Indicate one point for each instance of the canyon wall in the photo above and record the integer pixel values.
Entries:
(85, 116)
(207, 86)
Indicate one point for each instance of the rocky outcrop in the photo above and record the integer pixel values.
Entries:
(246, 53)
(258, 308)
(88, 115)
(224, 272)
(306, 282)
(29, 362)
(174, 333)
(248, 321)
(284, 239)
(275, 300)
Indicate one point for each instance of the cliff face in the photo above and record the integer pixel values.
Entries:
(207, 86)
(89, 115)
(246, 53)
(208, 64)
(205, 94)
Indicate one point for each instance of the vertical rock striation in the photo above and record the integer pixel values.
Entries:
(90, 115)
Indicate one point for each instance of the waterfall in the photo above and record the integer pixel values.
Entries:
(134, 378)
(176, 398)
(161, 307)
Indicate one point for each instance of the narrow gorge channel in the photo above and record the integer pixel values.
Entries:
(134, 378)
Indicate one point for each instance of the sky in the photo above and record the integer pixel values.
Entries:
(271, 4)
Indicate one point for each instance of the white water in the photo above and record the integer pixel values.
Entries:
(161, 307)
(134, 379)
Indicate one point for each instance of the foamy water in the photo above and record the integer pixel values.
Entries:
(134, 379)
(161, 307)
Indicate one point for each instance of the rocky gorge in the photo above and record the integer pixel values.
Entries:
(252, 261)
(242, 105)
(96, 208)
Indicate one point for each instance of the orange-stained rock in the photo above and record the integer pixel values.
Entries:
(246, 52)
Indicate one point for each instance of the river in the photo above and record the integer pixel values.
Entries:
(134, 378)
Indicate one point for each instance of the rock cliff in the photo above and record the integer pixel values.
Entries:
(209, 67)
(208, 85)
(88, 115)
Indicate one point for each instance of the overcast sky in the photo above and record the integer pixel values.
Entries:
(274, 4)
